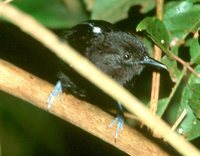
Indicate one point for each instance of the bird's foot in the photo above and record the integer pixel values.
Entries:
(119, 121)
(57, 91)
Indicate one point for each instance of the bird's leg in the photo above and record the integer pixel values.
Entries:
(119, 120)
(57, 91)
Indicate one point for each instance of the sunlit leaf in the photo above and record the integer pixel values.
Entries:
(155, 30)
(54, 13)
(181, 18)
(115, 10)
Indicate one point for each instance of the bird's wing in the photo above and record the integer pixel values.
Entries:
(70, 86)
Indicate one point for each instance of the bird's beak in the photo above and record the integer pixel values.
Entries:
(154, 63)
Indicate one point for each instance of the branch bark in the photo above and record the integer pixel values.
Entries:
(28, 87)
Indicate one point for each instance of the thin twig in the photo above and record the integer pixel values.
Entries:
(185, 64)
(155, 84)
(165, 105)
(179, 120)
(157, 55)
(89, 71)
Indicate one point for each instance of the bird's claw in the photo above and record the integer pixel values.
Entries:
(119, 120)
(57, 91)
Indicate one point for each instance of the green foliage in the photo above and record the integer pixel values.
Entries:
(190, 101)
(115, 10)
(180, 20)
(155, 30)
(54, 13)
(193, 44)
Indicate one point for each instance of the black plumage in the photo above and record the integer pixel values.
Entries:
(119, 54)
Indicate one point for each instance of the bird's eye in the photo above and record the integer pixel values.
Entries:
(126, 57)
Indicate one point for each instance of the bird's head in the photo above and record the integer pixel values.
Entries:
(119, 54)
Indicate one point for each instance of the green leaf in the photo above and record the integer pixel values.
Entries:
(190, 127)
(54, 13)
(155, 30)
(115, 10)
(194, 102)
(181, 18)
(194, 1)
(193, 44)
(162, 104)
(194, 89)
(172, 68)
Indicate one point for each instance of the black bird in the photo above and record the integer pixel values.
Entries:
(121, 55)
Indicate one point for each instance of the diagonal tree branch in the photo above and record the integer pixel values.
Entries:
(28, 87)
